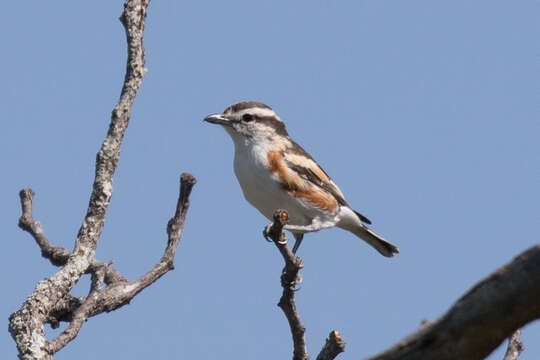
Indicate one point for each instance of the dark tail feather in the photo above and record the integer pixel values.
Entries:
(362, 217)
(384, 247)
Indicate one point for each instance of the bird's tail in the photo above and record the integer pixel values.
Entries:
(384, 247)
(352, 221)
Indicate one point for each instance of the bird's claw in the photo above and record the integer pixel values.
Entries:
(267, 231)
(268, 235)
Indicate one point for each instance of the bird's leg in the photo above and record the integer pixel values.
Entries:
(298, 237)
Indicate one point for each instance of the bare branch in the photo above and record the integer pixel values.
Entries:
(63, 310)
(133, 18)
(26, 324)
(98, 279)
(515, 346)
(57, 255)
(333, 347)
(78, 316)
(118, 294)
(482, 318)
(175, 227)
(289, 275)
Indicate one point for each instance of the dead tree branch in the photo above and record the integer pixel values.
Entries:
(479, 321)
(57, 255)
(289, 276)
(120, 293)
(515, 346)
(333, 347)
(482, 318)
(51, 301)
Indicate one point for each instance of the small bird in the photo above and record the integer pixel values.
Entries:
(274, 173)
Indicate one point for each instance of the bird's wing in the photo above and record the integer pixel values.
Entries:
(307, 168)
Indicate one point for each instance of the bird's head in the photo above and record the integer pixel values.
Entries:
(250, 122)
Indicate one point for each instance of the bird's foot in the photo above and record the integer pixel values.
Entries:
(267, 232)
(269, 235)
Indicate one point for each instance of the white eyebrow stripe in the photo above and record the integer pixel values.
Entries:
(260, 112)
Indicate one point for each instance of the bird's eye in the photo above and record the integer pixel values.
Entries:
(247, 117)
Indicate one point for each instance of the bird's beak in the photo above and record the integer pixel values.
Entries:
(217, 119)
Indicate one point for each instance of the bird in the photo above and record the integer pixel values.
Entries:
(275, 172)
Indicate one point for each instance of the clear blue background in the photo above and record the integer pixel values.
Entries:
(424, 112)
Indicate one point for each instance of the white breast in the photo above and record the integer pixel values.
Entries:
(262, 188)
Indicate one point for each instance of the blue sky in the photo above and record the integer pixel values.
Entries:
(425, 113)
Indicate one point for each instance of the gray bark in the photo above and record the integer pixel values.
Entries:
(515, 346)
(51, 302)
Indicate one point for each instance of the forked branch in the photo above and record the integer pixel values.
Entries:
(51, 301)
(120, 293)
(289, 277)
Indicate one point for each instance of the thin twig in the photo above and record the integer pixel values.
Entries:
(57, 255)
(289, 276)
(78, 316)
(175, 228)
(333, 347)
